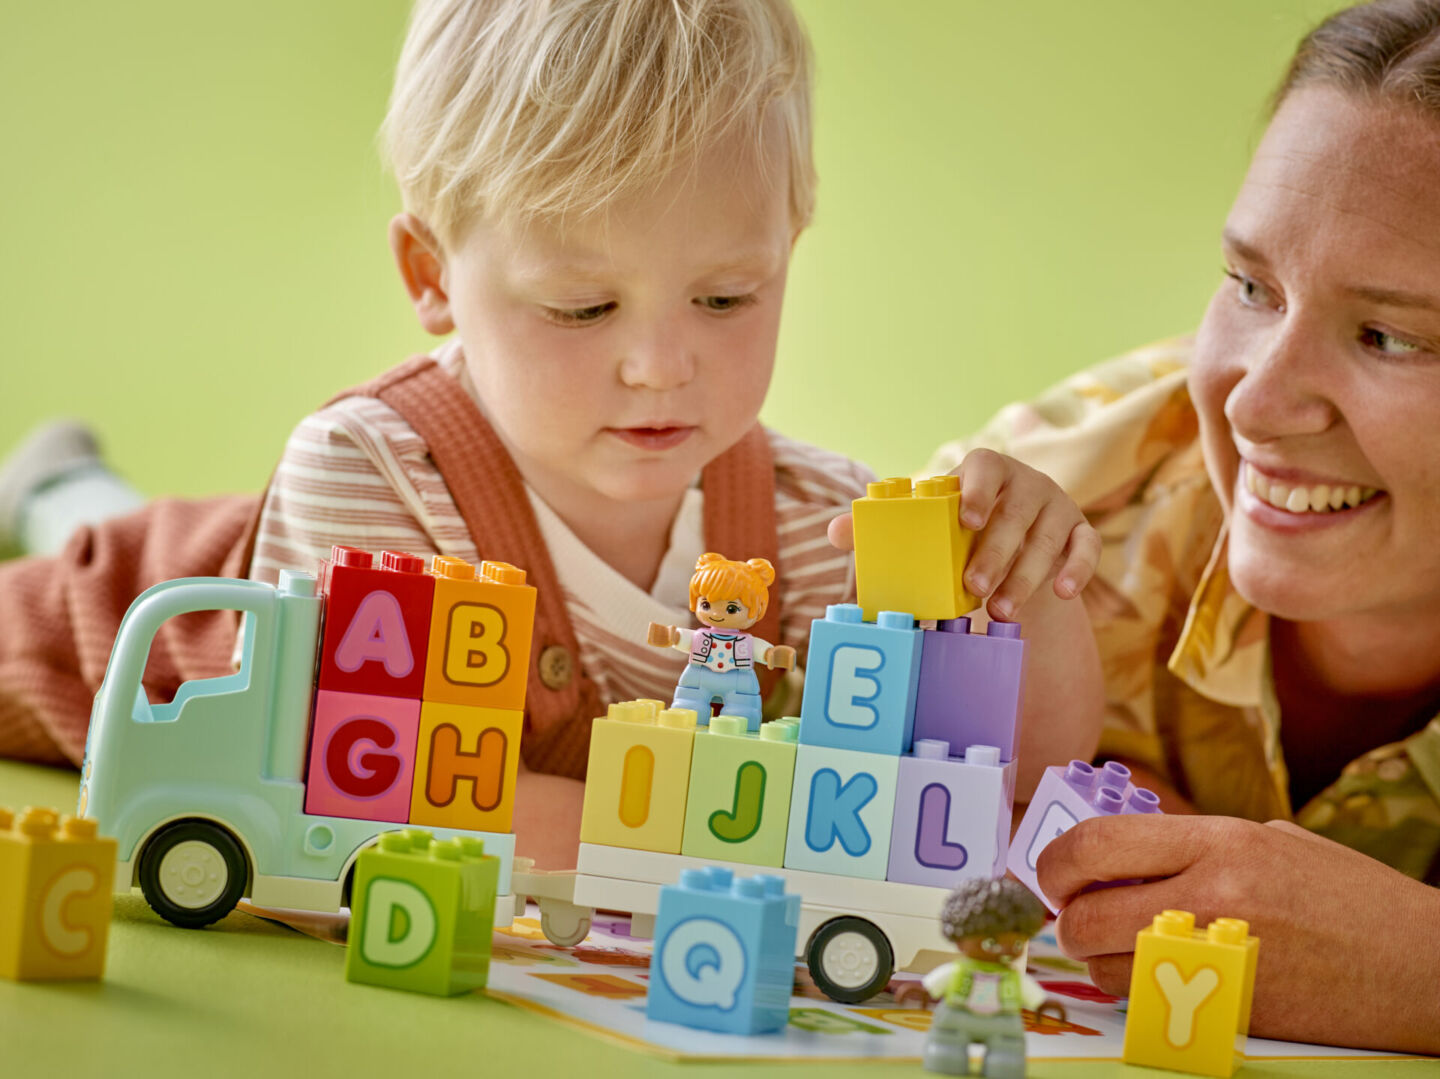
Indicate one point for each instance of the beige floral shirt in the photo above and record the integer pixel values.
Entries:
(1186, 659)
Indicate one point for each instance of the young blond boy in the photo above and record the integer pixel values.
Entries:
(601, 198)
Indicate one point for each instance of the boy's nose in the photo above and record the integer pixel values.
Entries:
(663, 361)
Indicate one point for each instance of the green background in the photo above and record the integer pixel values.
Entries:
(194, 216)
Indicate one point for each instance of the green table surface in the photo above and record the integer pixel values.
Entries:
(249, 998)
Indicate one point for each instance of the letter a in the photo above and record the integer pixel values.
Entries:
(376, 632)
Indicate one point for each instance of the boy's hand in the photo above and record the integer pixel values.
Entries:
(1330, 920)
(1027, 530)
(661, 636)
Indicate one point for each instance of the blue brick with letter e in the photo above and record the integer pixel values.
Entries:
(724, 952)
(860, 681)
(842, 807)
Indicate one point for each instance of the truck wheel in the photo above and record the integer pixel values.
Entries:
(564, 924)
(193, 873)
(850, 959)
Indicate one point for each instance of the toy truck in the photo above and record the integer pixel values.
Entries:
(859, 804)
(417, 715)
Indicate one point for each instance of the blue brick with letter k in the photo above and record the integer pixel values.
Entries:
(842, 807)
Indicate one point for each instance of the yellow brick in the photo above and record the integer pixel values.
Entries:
(638, 777)
(465, 765)
(56, 879)
(1190, 994)
(910, 550)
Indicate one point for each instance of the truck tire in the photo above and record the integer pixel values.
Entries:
(564, 924)
(850, 959)
(193, 873)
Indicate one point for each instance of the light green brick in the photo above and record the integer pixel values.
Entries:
(422, 913)
(738, 807)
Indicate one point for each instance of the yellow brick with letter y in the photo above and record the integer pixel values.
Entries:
(1190, 994)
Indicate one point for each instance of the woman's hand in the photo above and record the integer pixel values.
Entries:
(1028, 531)
(1348, 946)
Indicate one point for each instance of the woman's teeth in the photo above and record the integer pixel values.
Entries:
(1321, 498)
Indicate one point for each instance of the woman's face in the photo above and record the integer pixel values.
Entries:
(1317, 370)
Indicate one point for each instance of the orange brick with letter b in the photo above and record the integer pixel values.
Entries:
(481, 626)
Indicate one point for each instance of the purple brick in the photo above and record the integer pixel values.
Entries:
(969, 689)
(952, 815)
(1064, 798)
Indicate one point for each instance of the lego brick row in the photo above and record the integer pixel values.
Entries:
(457, 634)
(658, 782)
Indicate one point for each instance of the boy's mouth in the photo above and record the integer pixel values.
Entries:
(657, 437)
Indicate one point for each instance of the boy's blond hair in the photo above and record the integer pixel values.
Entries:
(514, 109)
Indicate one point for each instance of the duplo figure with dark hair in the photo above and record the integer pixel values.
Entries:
(981, 993)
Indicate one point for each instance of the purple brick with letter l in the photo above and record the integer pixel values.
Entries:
(952, 815)
(1064, 798)
(969, 689)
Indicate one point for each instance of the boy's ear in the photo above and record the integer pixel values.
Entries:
(421, 262)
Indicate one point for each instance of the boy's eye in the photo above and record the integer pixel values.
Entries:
(724, 303)
(577, 316)
(1251, 292)
(1387, 344)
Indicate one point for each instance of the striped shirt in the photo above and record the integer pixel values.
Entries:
(356, 473)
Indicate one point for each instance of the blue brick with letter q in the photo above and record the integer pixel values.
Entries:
(724, 954)
(842, 807)
(860, 681)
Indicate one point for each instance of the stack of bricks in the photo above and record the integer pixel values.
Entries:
(420, 694)
(901, 765)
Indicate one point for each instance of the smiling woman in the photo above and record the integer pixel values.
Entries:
(1267, 605)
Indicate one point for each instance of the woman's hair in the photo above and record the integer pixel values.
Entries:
(1389, 50)
(717, 578)
(518, 109)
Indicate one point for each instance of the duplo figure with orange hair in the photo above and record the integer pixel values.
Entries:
(728, 597)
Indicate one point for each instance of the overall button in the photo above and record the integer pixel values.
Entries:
(556, 667)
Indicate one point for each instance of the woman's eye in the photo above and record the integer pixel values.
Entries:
(577, 316)
(724, 303)
(1251, 292)
(1387, 343)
